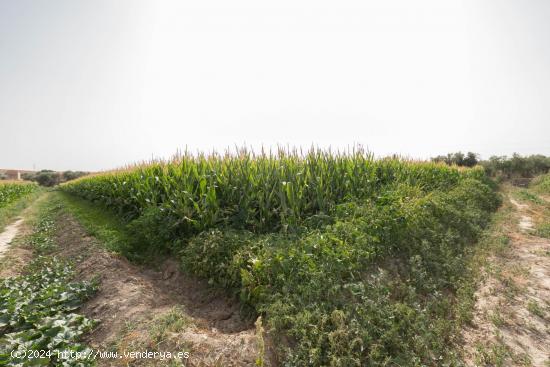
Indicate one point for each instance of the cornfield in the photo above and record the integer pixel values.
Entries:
(352, 259)
(10, 192)
(258, 192)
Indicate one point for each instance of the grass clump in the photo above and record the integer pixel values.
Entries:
(497, 319)
(173, 321)
(541, 184)
(534, 308)
(543, 230)
(529, 196)
(498, 354)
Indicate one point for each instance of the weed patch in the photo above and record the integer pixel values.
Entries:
(529, 196)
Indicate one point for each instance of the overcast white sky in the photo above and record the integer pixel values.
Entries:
(97, 84)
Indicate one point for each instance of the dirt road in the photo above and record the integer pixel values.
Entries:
(8, 235)
(511, 325)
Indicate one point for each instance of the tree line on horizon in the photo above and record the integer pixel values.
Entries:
(51, 178)
(502, 167)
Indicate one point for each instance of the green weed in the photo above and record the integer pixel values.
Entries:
(173, 321)
(497, 319)
(534, 308)
(543, 230)
(529, 196)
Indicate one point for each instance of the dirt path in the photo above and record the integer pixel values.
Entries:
(525, 222)
(512, 315)
(160, 310)
(8, 235)
(13, 256)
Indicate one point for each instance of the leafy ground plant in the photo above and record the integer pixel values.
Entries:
(37, 313)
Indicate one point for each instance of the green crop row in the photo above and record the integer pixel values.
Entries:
(353, 261)
(10, 192)
(261, 193)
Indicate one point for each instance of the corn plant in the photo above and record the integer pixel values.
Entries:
(260, 192)
(350, 260)
(10, 192)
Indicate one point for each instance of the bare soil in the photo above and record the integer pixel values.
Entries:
(132, 303)
(525, 220)
(15, 254)
(8, 235)
(511, 325)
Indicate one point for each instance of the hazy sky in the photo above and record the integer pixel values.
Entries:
(97, 84)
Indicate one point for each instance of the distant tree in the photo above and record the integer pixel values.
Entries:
(458, 158)
(516, 166)
(540, 163)
(440, 159)
(50, 178)
(29, 176)
(47, 178)
(470, 160)
(71, 175)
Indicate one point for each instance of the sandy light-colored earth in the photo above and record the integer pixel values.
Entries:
(8, 235)
(13, 257)
(511, 323)
(525, 221)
